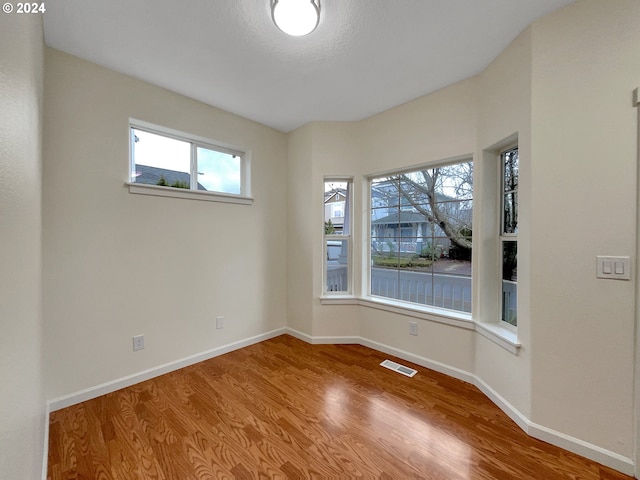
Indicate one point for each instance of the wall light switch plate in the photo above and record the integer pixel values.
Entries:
(614, 268)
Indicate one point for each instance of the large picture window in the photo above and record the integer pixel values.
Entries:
(421, 247)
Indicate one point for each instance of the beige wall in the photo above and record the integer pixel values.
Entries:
(335, 147)
(584, 186)
(314, 150)
(301, 232)
(118, 264)
(563, 89)
(432, 128)
(22, 399)
(504, 113)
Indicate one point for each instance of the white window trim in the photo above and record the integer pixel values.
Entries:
(507, 338)
(428, 310)
(342, 295)
(503, 329)
(160, 191)
(493, 331)
(244, 198)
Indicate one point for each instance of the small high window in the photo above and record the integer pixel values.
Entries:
(164, 158)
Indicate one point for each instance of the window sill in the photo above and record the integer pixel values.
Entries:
(506, 338)
(339, 300)
(159, 191)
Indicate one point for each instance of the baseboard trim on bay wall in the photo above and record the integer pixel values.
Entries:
(580, 447)
(326, 340)
(559, 439)
(108, 387)
(45, 448)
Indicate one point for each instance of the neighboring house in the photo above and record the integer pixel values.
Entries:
(151, 176)
(334, 205)
(402, 228)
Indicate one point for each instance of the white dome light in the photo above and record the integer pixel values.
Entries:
(296, 17)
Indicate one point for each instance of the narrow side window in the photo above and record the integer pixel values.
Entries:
(509, 235)
(337, 236)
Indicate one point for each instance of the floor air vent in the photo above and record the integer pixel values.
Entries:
(396, 367)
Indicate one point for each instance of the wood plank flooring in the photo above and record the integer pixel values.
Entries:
(286, 409)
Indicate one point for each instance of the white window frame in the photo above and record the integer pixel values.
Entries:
(243, 198)
(429, 312)
(503, 236)
(348, 216)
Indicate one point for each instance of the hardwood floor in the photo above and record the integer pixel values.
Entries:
(286, 409)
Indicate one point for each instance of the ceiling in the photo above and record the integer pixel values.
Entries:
(366, 55)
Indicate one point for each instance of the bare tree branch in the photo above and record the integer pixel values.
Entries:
(436, 215)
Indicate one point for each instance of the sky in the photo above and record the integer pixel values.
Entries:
(217, 171)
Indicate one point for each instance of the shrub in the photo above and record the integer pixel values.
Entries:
(180, 184)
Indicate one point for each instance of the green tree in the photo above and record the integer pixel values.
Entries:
(329, 229)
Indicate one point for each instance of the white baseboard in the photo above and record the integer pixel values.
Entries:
(575, 445)
(418, 360)
(559, 439)
(112, 386)
(553, 437)
(326, 340)
(580, 447)
(45, 448)
(511, 412)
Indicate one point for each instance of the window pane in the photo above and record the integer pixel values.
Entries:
(421, 236)
(380, 218)
(413, 188)
(460, 252)
(384, 274)
(453, 181)
(510, 282)
(160, 160)
(337, 272)
(335, 207)
(510, 167)
(384, 192)
(385, 223)
(510, 216)
(218, 171)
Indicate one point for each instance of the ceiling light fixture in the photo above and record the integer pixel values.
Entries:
(296, 17)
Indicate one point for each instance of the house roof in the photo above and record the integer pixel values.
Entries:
(403, 217)
(336, 192)
(151, 176)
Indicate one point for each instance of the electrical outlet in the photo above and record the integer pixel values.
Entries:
(219, 322)
(413, 328)
(138, 342)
